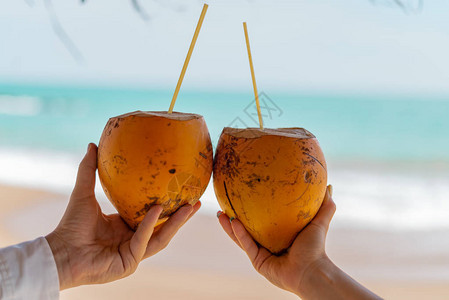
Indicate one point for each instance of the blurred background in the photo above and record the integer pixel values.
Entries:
(369, 78)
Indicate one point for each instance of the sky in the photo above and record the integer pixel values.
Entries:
(301, 45)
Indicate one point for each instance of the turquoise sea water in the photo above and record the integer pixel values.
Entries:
(348, 127)
(369, 142)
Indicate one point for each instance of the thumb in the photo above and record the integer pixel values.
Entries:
(327, 210)
(85, 180)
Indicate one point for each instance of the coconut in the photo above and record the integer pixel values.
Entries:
(272, 180)
(149, 158)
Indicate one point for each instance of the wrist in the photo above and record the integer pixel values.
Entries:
(326, 281)
(62, 260)
(321, 270)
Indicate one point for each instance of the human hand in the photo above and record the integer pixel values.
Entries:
(305, 254)
(90, 247)
(305, 269)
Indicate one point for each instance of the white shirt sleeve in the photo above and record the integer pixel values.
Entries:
(28, 271)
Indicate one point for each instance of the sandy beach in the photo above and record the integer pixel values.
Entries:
(202, 263)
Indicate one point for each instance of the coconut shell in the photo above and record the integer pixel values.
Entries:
(272, 180)
(149, 158)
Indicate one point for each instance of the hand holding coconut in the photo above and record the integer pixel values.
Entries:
(91, 247)
(271, 184)
(155, 182)
(304, 269)
(154, 167)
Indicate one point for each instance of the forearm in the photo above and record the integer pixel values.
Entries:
(327, 281)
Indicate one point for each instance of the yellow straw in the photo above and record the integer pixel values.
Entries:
(189, 54)
(252, 75)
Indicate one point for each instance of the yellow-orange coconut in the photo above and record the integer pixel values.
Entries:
(148, 158)
(272, 180)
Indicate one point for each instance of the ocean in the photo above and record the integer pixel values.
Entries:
(388, 156)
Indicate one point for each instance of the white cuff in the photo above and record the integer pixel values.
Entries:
(28, 271)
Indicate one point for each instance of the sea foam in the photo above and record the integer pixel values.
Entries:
(377, 199)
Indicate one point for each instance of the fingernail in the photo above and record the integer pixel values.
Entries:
(231, 219)
(219, 213)
(331, 189)
(88, 147)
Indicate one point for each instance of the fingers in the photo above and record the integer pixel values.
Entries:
(327, 210)
(85, 180)
(168, 230)
(223, 219)
(141, 237)
(196, 207)
(257, 255)
(245, 240)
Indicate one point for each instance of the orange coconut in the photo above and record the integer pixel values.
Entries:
(272, 180)
(149, 158)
